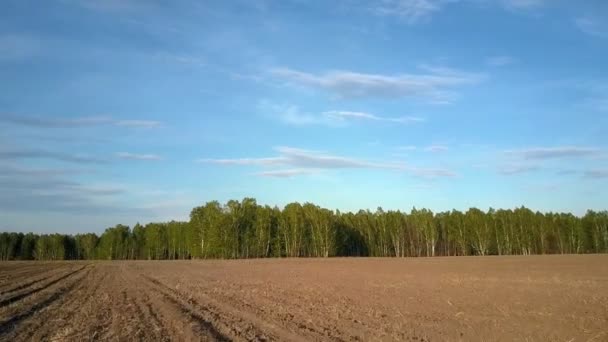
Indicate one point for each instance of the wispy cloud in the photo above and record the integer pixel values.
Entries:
(431, 172)
(295, 157)
(292, 115)
(247, 161)
(286, 173)
(133, 156)
(596, 173)
(417, 11)
(592, 26)
(46, 122)
(411, 11)
(555, 152)
(436, 148)
(16, 154)
(28, 188)
(108, 5)
(500, 61)
(363, 116)
(515, 169)
(17, 47)
(301, 159)
(435, 84)
(7, 169)
(136, 123)
(182, 59)
(523, 4)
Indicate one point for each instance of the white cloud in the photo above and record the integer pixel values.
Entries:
(55, 190)
(314, 161)
(406, 148)
(435, 84)
(286, 173)
(549, 159)
(292, 115)
(183, 59)
(593, 26)
(513, 169)
(137, 123)
(416, 11)
(52, 122)
(18, 47)
(431, 173)
(362, 116)
(108, 5)
(596, 173)
(10, 153)
(436, 148)
(317, 159)
(411, 11)
(499, 61)
(523, 4)
(133, 156)
(247, 161)
(554, 152)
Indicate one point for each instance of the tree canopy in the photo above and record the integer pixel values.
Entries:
(245, 229)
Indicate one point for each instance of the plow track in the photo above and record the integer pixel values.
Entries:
(437, 299)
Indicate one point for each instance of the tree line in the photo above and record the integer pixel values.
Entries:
(245, 229)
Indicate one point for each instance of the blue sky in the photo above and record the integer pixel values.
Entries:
(122, 111)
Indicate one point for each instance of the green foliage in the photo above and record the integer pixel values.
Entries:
(244, 229)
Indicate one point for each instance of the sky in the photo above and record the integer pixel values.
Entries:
(125, 111)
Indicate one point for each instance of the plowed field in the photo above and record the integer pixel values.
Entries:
(536, 298)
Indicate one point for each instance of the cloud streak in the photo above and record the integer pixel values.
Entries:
(436, 148)
(435, 85)
(500, 61)
(133, 156)
(44, 122)
(540, 153)
(112, 6)
(592, 26)
(412, 11)
(15, 47)
(342, 115)
(289, 173)
(16, 154)
(292, 115)
(596, 174)
(416, 11)
(510, 170)
(50, 190)
(523, 4)
(300, 161)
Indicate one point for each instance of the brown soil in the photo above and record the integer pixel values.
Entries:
(537, 298)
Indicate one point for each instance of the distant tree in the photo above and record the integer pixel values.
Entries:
(114, 243)
(85, 245)
(244, 229)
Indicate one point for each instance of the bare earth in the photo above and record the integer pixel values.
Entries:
(536, 298)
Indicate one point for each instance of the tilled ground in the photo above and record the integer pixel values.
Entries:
(538, 298)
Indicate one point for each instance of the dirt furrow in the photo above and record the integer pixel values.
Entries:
(231, 322)
(21, 322)
(129, 318)
(292, 318)
(151, 326)
(77, 308)
(30, 292)
(10, 277)
(173, 309)
(553, 299)
(25, 285)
